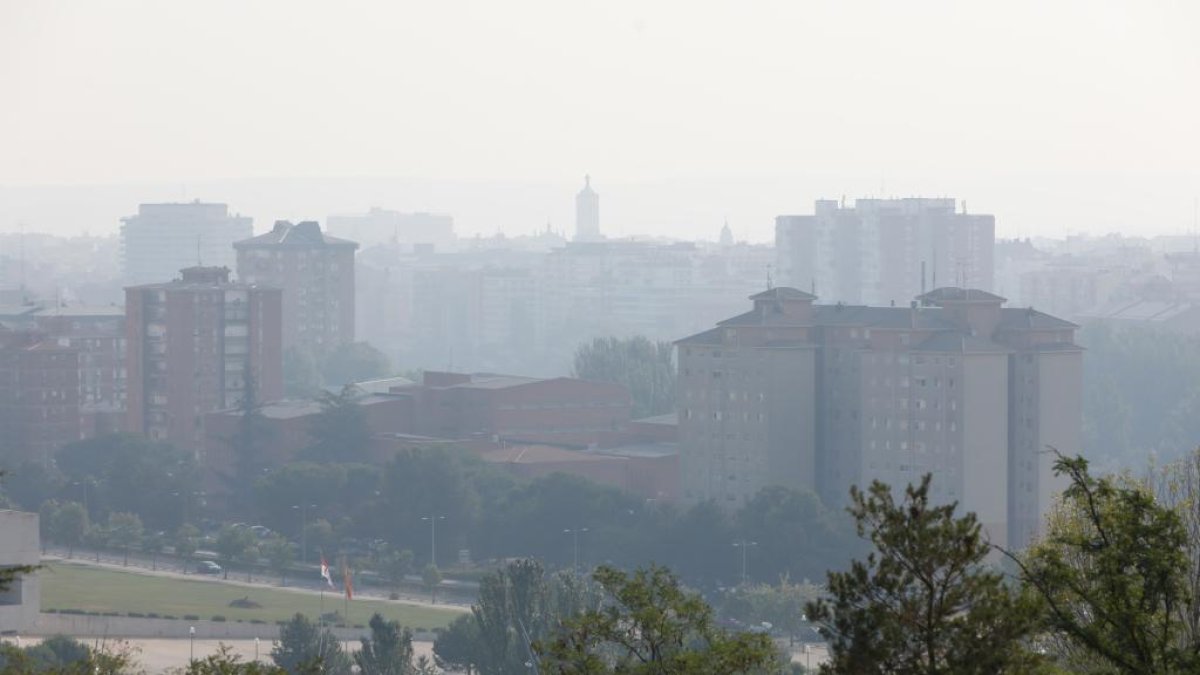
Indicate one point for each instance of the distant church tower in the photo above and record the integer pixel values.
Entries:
(726, 235)
(587, 213)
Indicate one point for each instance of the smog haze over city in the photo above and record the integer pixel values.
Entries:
(610, 337)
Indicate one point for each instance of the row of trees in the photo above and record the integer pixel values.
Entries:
(1111, 588)
(529, 620)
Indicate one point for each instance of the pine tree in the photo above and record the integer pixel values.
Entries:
(924, 602)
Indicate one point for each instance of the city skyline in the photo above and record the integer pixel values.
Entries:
(494, 114)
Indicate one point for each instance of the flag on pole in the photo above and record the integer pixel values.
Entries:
(325, 571)
(347, 582)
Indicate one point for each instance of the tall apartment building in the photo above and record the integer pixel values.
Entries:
(587, 213)
(316, 273)
(193, 345)
(39, 396)
(828, 396)
(165, 238)
(884, 250)
(98, 335)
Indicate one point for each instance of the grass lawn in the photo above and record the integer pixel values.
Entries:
(66, 586)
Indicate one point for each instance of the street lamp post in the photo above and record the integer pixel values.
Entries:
(433, 537)
(745, 546)
(575, 546)
(256, 650)
(191, 643)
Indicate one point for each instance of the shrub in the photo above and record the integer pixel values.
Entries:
(218, 618)
(190, 617)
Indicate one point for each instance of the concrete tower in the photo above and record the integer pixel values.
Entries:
(587, 213)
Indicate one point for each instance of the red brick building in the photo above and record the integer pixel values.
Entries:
(98, 334)
(39, 396)
(288, 423)
(558, 410)
(192, 345)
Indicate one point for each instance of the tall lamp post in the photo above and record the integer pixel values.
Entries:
(191, 643)
(433, 537)
(303, 508)
(745, 546)
(575, 546)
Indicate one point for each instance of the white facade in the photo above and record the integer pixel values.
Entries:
(165, 238)
(20, 544)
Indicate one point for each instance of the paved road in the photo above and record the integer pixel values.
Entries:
(115, 562)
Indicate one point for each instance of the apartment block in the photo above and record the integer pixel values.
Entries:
(883, 251)
(823, 397)
(39, 396)
(97, 333)
(193, 346)
(316, 273)
(165, 238)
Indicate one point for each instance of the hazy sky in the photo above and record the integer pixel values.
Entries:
(1056, 116)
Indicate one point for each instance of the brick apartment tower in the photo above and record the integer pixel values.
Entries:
(191, 344)
(39, 396)
(828, 396)
(316, 273)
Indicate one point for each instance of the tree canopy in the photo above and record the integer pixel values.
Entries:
(924, 601)
(646, 368)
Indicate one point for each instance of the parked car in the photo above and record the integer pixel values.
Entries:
(208, 567)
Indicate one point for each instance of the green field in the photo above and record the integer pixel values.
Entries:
(67, 586)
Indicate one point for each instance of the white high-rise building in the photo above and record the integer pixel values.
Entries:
(165, 238)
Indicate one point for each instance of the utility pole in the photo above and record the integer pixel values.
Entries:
(745, 546)
(575, 546)
(433, 536)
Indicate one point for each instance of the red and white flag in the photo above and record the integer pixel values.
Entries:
(325, 571)
(347, 581)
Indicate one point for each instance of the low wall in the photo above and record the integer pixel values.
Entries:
(78, 625)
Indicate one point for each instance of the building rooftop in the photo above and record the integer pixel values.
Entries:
(953, 294)
(305, 234)
(783, 293)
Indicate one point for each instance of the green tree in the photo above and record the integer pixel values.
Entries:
(388, 650)
(125, 532)
(431, 576)
(1112, 575)
(185, 542)
(248, 443)
(280, 555)
(393, 566)
(225, 662)
(233, 545)
(923, 602)
(458, 647)
(354, 362)
(305, 647)
(644, 367)
(651, 625)
(154, 542)
(128, 473)
(518, 604)
(340, 432)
